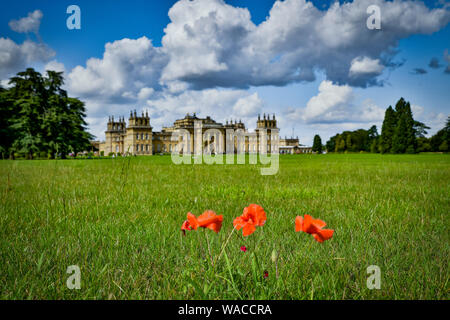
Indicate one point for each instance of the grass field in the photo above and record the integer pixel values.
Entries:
(119, 220)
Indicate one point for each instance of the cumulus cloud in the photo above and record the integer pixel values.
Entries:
(365, 65)
(54, 65)
(211, 43)
(127, 67)
(335, 104)
(30, 23)
(16, 57)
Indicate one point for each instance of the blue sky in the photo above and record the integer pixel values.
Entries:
(110, 21)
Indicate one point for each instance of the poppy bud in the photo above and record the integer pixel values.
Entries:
(274, 256)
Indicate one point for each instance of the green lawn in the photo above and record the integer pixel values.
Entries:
(119, 220)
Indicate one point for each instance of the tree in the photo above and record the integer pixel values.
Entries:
(404, 138)
(317, 144)
(420, 129)
(354, 141)
(37, 115)
(331, 144)
(387, 130)
(441, 140)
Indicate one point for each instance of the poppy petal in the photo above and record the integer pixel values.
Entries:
(326, 234)
(298, 224)
(319, 223)
(239, 223)
(185, 225)
(206, 218)
(192, 221)
(317, 237)
(248, 229)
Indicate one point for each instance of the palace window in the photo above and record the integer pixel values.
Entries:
(146, 147)
(137, 147)
(137, 136)
(146, 136)
(142, 136)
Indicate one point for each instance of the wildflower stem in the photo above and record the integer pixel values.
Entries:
(209, 250)
(224, 245)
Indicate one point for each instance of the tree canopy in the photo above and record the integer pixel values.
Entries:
(38, 116)
(317, 144)
(354, 141)
(400, 133)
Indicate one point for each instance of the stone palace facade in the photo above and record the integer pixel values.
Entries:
(138, 138)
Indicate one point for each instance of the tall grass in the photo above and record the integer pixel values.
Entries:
(119, 220)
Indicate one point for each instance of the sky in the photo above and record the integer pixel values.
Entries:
(314, 64)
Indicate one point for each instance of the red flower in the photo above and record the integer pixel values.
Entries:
(313, 227)
(266, 274)
(244, 248)
(252, 217)
(185, 226)
(207, 219)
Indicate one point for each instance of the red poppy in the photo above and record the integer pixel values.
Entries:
(252, 217)
(208, 219)
(185, 226)
(266, 274)
(313, 227)
(244, 248)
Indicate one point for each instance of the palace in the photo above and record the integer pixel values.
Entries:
(138, 137)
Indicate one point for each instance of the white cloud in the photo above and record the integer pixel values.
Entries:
(416, 110)
(127, 66)
(54, 65)
(335, 104)
(211, 43)
(30, 23)
(365, 65)
(329, 105)
(145, 93)
(248, 106)
(16, 57)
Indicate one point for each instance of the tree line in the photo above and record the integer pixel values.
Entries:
(400, 133)
(38, 118)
